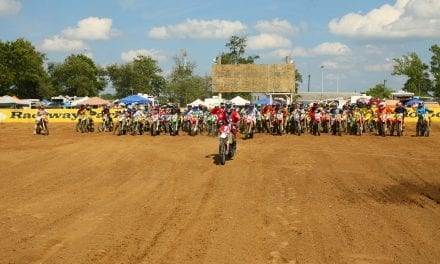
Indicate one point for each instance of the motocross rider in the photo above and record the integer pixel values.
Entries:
(230, 116)
(105, 113)
(400, 109)
(421, 111)
(41, 112)
(251, 113)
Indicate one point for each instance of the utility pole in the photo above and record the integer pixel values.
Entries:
(322, 81)
(308, 84)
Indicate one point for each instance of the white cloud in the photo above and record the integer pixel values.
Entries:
(130, 55)
(267, 41)
(276, 26)
(385, 67)
(61, 44)
(323, 49)
(328, 48)
(92, 28)
(281, 53)
(199, 29)
(300, 52)
(405, 19)
(9, 7)
(372, 49)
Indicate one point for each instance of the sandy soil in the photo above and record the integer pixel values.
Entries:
(98, 198)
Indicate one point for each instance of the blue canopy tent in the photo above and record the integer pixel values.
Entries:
(134, 99)
(413, 102)
(264, 101)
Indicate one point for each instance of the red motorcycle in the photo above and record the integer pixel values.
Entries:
(227, 144)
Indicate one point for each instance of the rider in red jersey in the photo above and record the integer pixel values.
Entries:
(229, 116)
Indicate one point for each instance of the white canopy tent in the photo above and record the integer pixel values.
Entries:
(197, 102)
(79, 101)
(238, 100)
(9, 101)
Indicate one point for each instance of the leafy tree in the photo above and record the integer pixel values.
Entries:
(183, 85)
(418, 76)
(77, 76)
(298, 80)
(435, 69)
(142, 75)
(379, 91)
(237, 46)
(21, 70)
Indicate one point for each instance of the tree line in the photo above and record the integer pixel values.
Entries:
(422, 79)
(24, 73)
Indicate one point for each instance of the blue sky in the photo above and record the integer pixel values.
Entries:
(355, 40)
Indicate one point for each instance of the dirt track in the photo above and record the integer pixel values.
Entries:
(94, 198)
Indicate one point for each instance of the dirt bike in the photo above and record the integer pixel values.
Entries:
(397, 125)
(267, 124)
(121, 127)
(325, 122)
(227, 145)
(42, 126)
(359, 125)
(304, 122)
(316, 124)
(382, 125)
(278, 121)
(248, 129)
(106, 125)
(259, 124)
(137, 126)
(174, 125)
(295, 124)
(212, 125)
(193, 125)
(336, 125)
(423, 126)
(165, 121)
(202, 126)
(85, 125)
(155, 125)
(369, 124)
(79, 124)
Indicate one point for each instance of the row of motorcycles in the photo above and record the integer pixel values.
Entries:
(275, 123)
(153, 124)
(349, 122)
